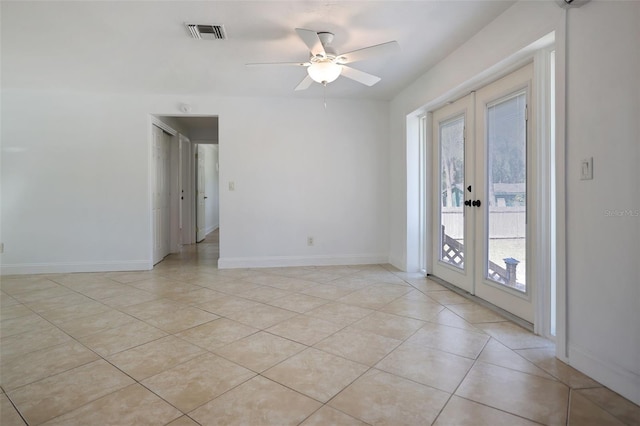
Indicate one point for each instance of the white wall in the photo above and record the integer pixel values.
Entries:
(603, 106)
(76, 191)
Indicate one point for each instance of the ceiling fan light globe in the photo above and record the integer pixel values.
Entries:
(324, 72)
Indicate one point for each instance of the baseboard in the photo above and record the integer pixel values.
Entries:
(70, 267)
(616, 378)
(398, 263)
(285, 261)
(211, 229)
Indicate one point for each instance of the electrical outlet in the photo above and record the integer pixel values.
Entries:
(309, 241)
(232, 186)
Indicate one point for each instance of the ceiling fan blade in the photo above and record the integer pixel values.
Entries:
(368, 52)
(296, 64)
(304, 84)
(359, 76)
(311, 39)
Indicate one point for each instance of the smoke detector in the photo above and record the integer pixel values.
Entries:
(206, 31)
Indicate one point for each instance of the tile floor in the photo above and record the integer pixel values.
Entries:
(189, 344)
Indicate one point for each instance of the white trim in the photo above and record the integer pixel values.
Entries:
(624, 381)
(285, 261)
(156, 121)
(561, 228)
(70, 267)
(211, 229)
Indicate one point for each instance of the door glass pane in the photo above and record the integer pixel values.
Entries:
(506, 191)
(452, 191)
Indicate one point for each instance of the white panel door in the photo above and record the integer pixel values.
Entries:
(160, 193)
(200, 190)
(481, 167)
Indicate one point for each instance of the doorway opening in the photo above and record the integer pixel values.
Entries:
(192, 185)
(487, 190)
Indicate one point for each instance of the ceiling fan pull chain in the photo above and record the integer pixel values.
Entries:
(324, 96)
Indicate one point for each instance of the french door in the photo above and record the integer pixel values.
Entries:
(482, 166)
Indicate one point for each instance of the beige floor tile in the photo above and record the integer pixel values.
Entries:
(195, 382)
(425, 285)
(450, 339)
(118, 339)
(133, 404)
(102, 290)
(446, 297)
(541, 400)
(23, 343)
(389, 325)
(447, 317)
(497, 354)
(153, 308)
(64, 301)
(462, 412)
(621, 408)
(181, 319)
(358, 345)
(19, 285)
(326, 291)
(427, 366)
(280, 281)
(216, 333)
(475, 313)
(315, 373)
(262, 316)
(165, 287)
(155, 357)
(66, 313)
(339, 313)
(234, 287)
(299, 303)
(196, 297)
(31, 297)
(583, 412)
(225, 306)
(14, 311)
(38, 365)
(32, 322)
(6, 300)
(305, 329)
(545, 358)
(514, 336)
(384, 399)
(414, 309)
(8, 414)
(133, 297)
(91, 324)
(183, 421)
(374, 297)
(330, 416)
(264, 294)
(259, 351)
(59, 394)
(257, 402)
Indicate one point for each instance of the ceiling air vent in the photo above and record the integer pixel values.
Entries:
(207, 32)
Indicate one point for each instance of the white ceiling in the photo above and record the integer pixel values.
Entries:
(143, 47)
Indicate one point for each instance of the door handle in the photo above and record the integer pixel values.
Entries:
(476, 203)
(468, 203)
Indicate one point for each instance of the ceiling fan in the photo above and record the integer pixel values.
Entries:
(326, 65)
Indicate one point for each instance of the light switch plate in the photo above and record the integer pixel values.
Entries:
(586, 169)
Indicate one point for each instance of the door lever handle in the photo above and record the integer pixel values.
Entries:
(476, 203)
(467, 203)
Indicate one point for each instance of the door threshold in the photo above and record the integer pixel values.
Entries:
(507, 315)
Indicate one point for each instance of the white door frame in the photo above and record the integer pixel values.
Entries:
(420, 122)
